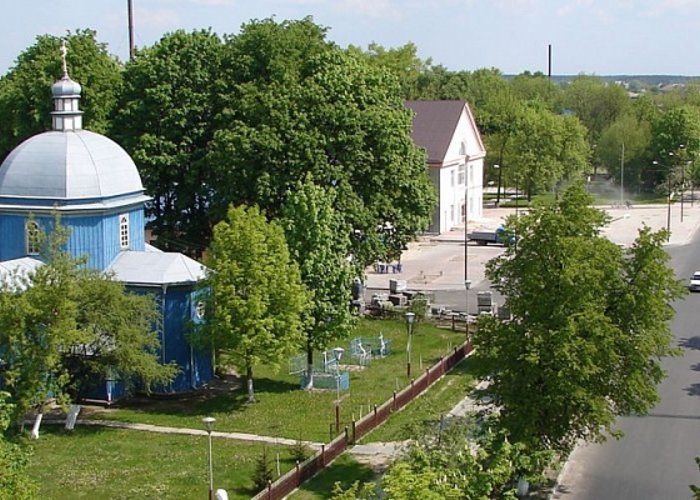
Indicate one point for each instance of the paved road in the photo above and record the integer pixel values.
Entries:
(655, 459)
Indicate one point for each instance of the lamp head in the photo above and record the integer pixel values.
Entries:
(467, 284)
(209, 423)
(410, 318)
(338, 353)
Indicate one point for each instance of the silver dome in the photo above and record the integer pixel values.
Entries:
(65, 87)
(68, 165)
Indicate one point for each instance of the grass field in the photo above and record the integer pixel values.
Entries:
(345, 470)
(100, 463)
(286, 411)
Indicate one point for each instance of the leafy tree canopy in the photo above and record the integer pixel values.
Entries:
(590, 327)
(333, 115)
(320, 244)
(257, 301)
(25, 91)
(165, 120)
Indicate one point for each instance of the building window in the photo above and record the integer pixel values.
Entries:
(33, 238)
(460, 175)
(452, 213)
(199, 309)
(124, 231)
(452, 177)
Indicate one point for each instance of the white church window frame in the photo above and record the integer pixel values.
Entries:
(124, 231)
(33, 231)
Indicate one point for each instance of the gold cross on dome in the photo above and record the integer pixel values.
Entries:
(64, 51)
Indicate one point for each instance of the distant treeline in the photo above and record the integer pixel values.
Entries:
(649, 80)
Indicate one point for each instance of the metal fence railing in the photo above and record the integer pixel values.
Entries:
(306, 470)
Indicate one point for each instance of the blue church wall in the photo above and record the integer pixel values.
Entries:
(195, 363)
(110, 236)
(96, 236)
(13, 242)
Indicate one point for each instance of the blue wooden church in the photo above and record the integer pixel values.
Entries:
(95, 187)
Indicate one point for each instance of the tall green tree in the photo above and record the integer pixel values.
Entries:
(536, 87)
(257, 301)
(165, 120)
(634, 135)
(402, 61)
(590, 327)
(297, 104)
(25, 91)
(319, 242)
(546, 149)
(595, 102)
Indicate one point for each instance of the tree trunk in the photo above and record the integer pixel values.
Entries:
(72, 417)
(37, 424)
(249, 378)
(309, 367)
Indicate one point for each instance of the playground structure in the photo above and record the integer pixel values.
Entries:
(363, 349)
(328, 372)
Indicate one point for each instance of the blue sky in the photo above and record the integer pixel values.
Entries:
(587, 36)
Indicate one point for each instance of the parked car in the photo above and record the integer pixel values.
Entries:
(694, 285)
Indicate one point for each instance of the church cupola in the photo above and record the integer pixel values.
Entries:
(66, 98)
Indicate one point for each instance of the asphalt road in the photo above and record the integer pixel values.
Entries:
(655, 458)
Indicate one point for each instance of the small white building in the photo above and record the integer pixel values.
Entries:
(448, 133)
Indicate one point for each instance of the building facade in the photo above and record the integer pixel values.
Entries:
(446, 130)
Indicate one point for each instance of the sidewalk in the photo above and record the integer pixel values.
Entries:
(240, 436)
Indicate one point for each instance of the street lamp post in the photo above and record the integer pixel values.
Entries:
(337, 354)
(467, 286)
(209, 424)
(668, 210)
(622, 175)
(410, 318)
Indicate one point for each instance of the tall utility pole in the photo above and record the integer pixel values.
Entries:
(130, 8)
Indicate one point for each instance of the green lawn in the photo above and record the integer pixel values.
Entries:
(345, 470)
(286, 411)
(101, 463)
(429, 407)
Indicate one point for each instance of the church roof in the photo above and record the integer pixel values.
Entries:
(75, 164)
(151, 268)
(13, 271)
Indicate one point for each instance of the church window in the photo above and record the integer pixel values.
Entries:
(199, 309)
(124, 231)
(33, 238)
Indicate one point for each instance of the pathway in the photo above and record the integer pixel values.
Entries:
(240, 436)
